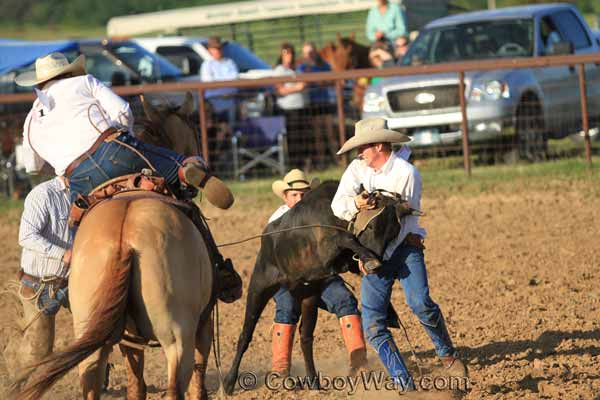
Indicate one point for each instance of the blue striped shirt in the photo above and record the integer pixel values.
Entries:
(44, 233)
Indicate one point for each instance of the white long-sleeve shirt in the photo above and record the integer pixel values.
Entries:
(397, 175)
(44, 233)
(67, 118)
(279, 212)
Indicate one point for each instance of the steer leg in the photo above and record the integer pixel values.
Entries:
(263, 285)
(368, 258)
(307, 328)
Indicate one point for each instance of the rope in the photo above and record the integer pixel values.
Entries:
(217, 350)
(281, 231)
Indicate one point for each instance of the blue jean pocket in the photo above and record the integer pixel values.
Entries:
(126, 160)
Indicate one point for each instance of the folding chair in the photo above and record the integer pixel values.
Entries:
(259, 141)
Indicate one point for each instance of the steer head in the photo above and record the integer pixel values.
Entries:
(382, 225)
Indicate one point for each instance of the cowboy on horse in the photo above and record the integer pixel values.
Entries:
(82, 129)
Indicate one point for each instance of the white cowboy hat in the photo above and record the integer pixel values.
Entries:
(372, 130)
(51, 66)
(293, 180)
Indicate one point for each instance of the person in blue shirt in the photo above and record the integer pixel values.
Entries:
(386, 22)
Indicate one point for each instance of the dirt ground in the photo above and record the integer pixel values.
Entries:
(515, 271)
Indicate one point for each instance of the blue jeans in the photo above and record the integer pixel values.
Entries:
(50, 298)
(335, 298)
(407, 264)
(112, 159)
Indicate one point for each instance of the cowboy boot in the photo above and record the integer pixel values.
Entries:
(452, 365)
(355, 343)
(194, 172)
(281, 347)
(392, 361)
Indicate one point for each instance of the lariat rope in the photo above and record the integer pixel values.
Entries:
(283, 230)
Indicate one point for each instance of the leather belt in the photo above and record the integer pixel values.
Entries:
(54, 279)
(102, 138)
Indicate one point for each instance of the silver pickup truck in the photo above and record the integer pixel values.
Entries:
(521, 108)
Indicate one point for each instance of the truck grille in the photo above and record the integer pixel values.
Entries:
(418, 99)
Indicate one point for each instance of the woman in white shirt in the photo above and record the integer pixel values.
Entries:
(80, 127)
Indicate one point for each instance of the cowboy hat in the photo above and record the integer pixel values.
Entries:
(293, 180)
(51, 66)
(372, 130)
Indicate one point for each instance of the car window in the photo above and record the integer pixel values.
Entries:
(150, 66)
(243, 58)
(188, 61)
(472, 41)
(571, 28)
(105, 69)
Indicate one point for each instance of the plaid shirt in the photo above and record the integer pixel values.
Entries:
(44, 233)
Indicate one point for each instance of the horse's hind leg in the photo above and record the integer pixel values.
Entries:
(134, 363)
(180, 364)
(92, 372)
(307, 328)
(197, 388)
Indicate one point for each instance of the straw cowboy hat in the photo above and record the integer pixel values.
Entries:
(372, 130)
(51, 66)
(293, 180)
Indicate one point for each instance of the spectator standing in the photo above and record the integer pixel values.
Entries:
(291, 102)
(223, 100)
(386, 22)
(322, 107)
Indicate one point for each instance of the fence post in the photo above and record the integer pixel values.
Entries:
(339, 93)
(464, 124)
(203, 131)
(584, 114)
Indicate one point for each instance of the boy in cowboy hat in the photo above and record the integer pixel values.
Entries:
(80, 127)
(335, 297)
(378, 167)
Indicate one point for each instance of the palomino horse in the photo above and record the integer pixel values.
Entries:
(141, 263)
(346, 54)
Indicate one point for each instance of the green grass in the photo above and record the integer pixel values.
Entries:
(439, 180)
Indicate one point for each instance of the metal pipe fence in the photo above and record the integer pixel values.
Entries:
(253, 116)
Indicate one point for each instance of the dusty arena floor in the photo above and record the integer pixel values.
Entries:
(514, 266)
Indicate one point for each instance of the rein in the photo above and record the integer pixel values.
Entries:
(281, 231)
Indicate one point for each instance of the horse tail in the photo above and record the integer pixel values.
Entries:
(106, 324)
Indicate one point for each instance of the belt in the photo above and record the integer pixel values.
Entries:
(54, 279)
(104, 136)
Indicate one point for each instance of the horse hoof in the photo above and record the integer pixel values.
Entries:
(229, 385)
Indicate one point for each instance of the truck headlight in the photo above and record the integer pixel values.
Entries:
(491, 90)
(373, 102)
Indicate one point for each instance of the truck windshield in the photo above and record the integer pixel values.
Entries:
(473, 41)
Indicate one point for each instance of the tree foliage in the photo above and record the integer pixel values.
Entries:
(97, 13)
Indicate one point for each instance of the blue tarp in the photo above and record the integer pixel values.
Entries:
(20, 53)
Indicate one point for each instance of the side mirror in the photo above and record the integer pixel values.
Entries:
(564, 47)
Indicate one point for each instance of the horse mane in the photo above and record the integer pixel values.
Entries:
(152, 131)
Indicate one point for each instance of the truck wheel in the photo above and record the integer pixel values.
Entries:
(531, 140)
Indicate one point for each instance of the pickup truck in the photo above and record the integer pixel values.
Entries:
(520, 108)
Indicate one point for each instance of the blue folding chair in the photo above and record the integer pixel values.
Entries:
(259, 141)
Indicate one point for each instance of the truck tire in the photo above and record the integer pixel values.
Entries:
(531, 139)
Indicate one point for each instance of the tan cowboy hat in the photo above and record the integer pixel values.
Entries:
(51, 66)
(293, 180)
(372, 130)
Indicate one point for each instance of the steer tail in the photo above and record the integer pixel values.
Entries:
(106, 325)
